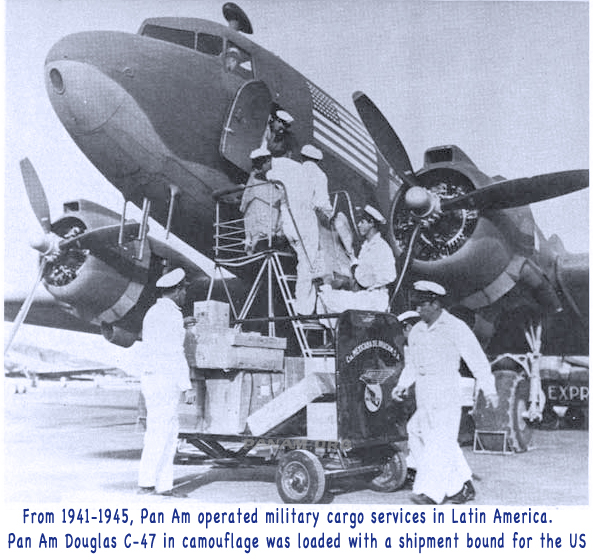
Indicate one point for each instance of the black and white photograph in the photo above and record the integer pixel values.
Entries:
(305, 255)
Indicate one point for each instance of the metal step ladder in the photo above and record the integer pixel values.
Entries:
(272, 267)
(302, 328)
(230, 253)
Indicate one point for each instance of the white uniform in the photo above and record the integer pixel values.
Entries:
(306, 190)
(375, 270)
(261, 217)
(433, 360)
(165, 375)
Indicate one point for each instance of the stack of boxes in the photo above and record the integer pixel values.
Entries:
(240, 372)
(211, 344)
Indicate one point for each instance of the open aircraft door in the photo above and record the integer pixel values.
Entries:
(246, 123)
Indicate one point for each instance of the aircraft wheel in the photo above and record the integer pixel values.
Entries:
(550, 420)
(513, 402)
(300, 478)
(393, 473)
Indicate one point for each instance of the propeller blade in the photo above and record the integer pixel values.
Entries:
(100, 237)
(24, 310)
(385, 138)
(36, 194)
(407, 261)
(520, 192)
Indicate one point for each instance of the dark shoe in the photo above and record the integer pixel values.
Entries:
(466, 494)
(173, 493)
(422, 500)
(145, 490)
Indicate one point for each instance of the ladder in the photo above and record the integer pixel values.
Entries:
(229, 253)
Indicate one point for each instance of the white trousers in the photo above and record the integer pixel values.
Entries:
(304, 291)
(162, 429)
(441, 468)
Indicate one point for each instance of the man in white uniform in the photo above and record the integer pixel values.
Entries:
(373, 271)
(259, 203)
(305, 188)
(436, 345)
(278, 137)
(408, 319)
(165, 375)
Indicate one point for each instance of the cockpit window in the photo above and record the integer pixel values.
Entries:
(209, 44)
(178, 36)
(238, 61)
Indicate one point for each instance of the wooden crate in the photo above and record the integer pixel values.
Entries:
(227, 349)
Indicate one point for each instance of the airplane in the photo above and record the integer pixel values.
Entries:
(33, 363)
(160, 117)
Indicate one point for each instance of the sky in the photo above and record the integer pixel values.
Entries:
(506, 81)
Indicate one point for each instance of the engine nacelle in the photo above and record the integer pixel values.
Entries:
(101, 282)
(464, 249)
(117, 335)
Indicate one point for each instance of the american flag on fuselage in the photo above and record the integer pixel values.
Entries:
(342, 133)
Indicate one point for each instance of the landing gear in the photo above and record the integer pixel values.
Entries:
(509, 416)
(300, 478)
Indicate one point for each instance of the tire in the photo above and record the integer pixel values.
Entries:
(393, 474)
(300, 478)
(513, 401)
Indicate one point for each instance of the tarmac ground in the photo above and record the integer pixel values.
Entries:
(82, 442)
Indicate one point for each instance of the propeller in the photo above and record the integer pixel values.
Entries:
(520, 192)
(24, 310)
(426, 207)
(385, 138)
(40, 207)
(36, 194)
(498, 196)
(51, 246)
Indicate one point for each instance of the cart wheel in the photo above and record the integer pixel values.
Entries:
(393, 473)
(300, 478)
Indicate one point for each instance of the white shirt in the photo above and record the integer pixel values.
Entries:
(376, 264)
(433, 360)
(317, 186)
(300, 203)
(163, 336)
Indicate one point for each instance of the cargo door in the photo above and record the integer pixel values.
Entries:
(246, 123)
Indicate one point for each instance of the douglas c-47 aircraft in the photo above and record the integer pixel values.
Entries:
(170, 126)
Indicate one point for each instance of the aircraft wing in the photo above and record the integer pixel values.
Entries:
(46, 311)
(25, 359)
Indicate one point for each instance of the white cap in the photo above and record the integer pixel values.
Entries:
(312, 152)
(171, 279)
(284, 116)
(407, 315)
(375, 214)
(233, 50)
(429, 287)
(259, 152)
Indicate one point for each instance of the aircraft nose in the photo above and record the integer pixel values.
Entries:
(83, 97)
